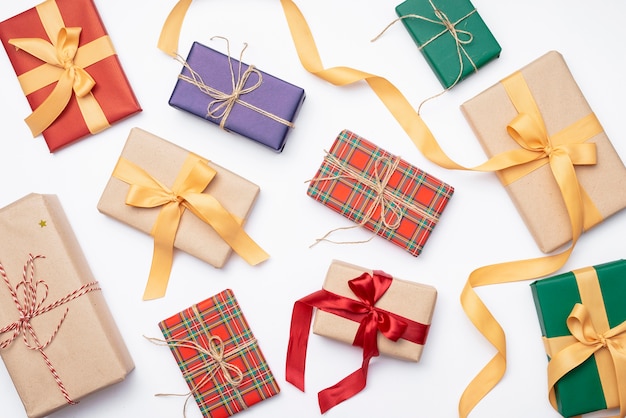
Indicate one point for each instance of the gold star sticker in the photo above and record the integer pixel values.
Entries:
(42, 223)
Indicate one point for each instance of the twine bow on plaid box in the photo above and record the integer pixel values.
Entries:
(380, 192)
(218, 356)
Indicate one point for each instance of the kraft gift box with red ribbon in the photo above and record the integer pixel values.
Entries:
(365, 308)
(380, 192)
(58, 339)
(541, 111)
(68, 69)
(451, 35)
(583, 322)
(237, 97)
(184, 201)
(219, 356)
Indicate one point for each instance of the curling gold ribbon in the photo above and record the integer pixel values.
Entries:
(64, 63)
(170, 33)
(591, 334)
(557, 155)
(186, 193)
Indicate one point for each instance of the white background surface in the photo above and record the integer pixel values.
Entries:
(479, 227)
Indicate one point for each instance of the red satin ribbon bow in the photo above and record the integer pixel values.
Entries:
(369, 289)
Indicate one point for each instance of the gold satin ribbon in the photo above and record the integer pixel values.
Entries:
(186, 193)
(556, 154)
(64, 63)
(591, 334)
(170, 33)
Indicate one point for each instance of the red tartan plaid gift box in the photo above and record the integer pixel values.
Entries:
(219, 357)
(80, 88)
(380, 192)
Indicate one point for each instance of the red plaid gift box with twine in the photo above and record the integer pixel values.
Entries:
(218, 356)
(380, 192)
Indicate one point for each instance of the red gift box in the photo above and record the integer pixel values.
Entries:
(219, 357)
(112, 97)
(380, 192)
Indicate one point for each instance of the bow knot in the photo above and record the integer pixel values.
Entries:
(221, 107)
(450, 26)
(66, 49)
(231, 373)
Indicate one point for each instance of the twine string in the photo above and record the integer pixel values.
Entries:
(223, 103)
(31, 306)
(391, 205)
(461, 38)
(215, 360)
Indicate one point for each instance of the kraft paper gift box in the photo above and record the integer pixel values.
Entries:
(533, 188)
(110, 98)
(451, 61)
(40, 256)
(198, 336)
(407, 209)
(368, 309)
(264, 110)
(414, 301)
(166, 162)
(596, 295)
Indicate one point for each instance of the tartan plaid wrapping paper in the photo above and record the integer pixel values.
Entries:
(219, 316)
(414, 199)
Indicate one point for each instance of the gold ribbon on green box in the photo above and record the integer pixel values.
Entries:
(64, 63)
(591, 335)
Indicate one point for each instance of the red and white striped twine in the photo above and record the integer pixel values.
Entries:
(31, 306)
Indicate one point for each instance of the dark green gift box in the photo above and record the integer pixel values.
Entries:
(579, 391)
(438, 44)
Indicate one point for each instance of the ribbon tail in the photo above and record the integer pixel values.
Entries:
(345, 389)
(163, 255)
(170, 34)
(52, 107)
(227, 227)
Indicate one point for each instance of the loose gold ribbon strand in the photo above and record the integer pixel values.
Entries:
(170, 33)
(561, 164)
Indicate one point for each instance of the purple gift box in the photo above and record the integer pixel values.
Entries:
(241, 98)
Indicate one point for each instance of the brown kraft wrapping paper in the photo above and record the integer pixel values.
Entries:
(536, 195)
(88, 352)
(162, 160)
(411, 300)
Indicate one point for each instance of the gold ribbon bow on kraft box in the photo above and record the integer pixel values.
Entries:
(155, 185)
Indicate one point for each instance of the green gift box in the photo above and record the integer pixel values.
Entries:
(452, 36)
(560, 301)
